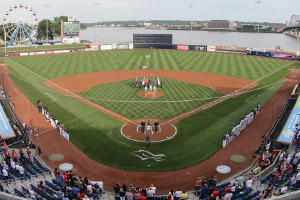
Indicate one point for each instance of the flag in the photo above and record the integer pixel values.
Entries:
(146, 81)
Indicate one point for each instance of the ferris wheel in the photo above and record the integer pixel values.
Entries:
(20, 24)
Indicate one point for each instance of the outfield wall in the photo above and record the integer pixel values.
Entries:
(182, 47)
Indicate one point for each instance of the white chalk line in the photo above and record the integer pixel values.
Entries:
(51, 97)
(168, 138)
(76, 96)
(221, 99)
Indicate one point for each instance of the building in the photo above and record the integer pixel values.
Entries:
(224, 25)
(251, 27)
(277, 28)
(146, 24)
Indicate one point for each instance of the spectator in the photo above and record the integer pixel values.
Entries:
(129, 195)
(283, 190)
(203, 192)
(184, 196)
(144, 191)
(153, 188)
(215, 180)
(262, 195)
(59, 194)
(143, 197)
(171, 194)
(198, 185)
(177, 194)
(137, 195)
(39, 151)
(228, 196)
(122, 194)
(249, 184)
(241, 180)
(21, 170)
(32, 194)
(216, 193)
(5, 173)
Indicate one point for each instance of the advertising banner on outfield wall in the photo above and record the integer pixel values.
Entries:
(106, 47)
(130, 46)
(94, 47)
(211, 48)
(114, 46)
(122, 46)
(288, 132)
(197, 48)
(23, 54)
(183, 47)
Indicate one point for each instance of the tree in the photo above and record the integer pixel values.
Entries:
(42, 30)
(54, 28)
(56, 25)
(1, 32)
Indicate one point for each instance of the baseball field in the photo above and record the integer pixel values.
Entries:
(91, 94)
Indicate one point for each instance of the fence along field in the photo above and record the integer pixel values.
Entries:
(93, 131)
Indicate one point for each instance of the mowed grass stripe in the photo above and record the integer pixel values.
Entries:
(129, 64)
(138, 63)
(155, 59)
(171, 60)
(163, 60)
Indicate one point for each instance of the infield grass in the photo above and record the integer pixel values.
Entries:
(158, 108)
(98, 135)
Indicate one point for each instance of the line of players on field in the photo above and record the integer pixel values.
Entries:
(229, 136)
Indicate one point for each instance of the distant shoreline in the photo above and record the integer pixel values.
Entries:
(174, 29)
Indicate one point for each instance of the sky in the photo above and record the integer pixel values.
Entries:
(277, 11)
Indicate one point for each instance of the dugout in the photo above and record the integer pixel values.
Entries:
(277, 128)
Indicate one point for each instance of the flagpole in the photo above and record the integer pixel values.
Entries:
(5, 43)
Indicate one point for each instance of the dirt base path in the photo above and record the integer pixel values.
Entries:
(51, 142)
(220, 83)
(71, 85)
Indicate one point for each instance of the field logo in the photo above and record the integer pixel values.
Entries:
(145, 155)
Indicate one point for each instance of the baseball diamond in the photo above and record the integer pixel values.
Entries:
(204, 96)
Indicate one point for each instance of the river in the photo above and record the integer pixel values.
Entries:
(240, 39)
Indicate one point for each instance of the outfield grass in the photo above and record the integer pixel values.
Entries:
(98, 134)
(158, 108)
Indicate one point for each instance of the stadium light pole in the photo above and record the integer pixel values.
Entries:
(4, 43)
(191, 6)
(258, 2)
(96, 4)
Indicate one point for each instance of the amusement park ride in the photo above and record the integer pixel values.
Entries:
(20, 25)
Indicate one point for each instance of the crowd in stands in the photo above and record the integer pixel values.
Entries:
(229, 136)
(122, 192)
(2, 92)
(71, 186)
(265, 159)
(63, 131)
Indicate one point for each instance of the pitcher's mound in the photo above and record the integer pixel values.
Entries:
(150, 94)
